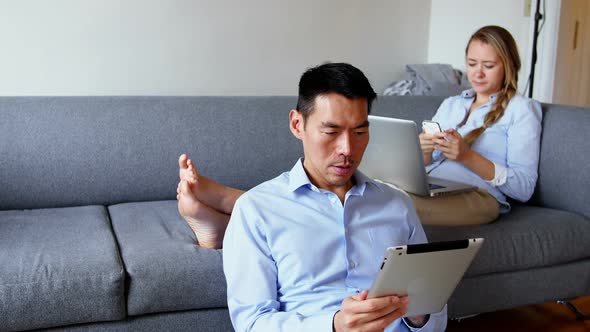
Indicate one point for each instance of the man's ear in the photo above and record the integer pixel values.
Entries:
(296, 123)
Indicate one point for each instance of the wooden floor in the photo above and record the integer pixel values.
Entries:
(539, 318)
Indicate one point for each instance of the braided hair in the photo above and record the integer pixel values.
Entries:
(503, 43)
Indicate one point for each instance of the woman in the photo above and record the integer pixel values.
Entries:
(490, 138)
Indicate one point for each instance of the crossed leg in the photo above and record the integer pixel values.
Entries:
(215, 195)
(204, 204)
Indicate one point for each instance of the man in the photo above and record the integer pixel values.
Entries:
(301, 250)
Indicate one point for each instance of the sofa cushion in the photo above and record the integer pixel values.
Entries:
(527, 237)
(167, 270)
(58, 267)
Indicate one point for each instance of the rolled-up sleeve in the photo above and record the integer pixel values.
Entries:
(522, 156)
(437, 322)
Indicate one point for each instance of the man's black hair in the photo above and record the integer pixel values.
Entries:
(340, 78)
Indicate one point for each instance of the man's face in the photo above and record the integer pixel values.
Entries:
(334, 138)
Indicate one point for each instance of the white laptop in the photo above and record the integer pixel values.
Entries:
(394, 156)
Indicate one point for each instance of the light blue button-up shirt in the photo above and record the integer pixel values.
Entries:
(513, 142)
(292, 252)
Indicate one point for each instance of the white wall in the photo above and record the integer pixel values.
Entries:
(547, 51)
(454, 21)
(201, 47)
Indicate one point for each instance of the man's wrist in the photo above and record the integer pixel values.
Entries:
(334, 321)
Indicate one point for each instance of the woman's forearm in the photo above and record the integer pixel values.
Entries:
(480, 165)
(427, 157)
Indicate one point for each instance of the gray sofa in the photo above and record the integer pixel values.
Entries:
(90, 237)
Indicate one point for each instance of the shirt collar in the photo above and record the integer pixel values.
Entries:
(298, 178)
(467, 94)
(470, 93)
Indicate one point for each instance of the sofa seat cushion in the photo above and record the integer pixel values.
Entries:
(527, 237)
(167, 270)
(57, 267)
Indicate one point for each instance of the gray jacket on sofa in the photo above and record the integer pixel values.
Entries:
(90, 236)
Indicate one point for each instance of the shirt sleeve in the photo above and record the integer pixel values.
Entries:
(500, 175)
(522, 157)
(437, 322)
(417, 235)
(415, 329)
(440, 116)
(251, 276)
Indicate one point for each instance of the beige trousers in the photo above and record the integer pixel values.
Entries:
(470, 208)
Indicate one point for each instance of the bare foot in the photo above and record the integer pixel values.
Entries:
(187, 170)
(205, 190)
(208, 224)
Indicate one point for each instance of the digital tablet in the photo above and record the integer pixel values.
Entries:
(427, 273)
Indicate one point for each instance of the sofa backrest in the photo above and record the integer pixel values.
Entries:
(416, 108)
(564, 168)
(70, 151)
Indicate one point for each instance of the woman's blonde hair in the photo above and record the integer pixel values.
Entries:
(503, 43)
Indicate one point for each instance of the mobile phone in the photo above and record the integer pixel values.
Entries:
(431, 127)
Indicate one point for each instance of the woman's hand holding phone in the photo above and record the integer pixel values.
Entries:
(427, 136)
(430, 131)
(452, 145)
(449, 142)
(431, 127)
(426, 142)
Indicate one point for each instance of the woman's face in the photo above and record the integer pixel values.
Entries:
(485, 70)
